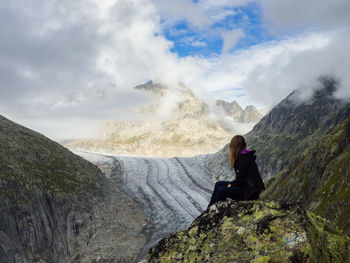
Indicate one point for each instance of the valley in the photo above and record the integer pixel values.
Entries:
(171, 191)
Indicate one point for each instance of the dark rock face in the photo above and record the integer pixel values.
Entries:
(45, 229)
(293, 125)
(319, 177)
(255, 231)
(57, 207)
(154, 88)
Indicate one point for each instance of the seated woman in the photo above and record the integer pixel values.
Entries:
(248, 183)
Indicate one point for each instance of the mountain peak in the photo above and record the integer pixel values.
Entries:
(233, 110)
(175, 122)
(328, 88)
(250, 108)
(153, 88)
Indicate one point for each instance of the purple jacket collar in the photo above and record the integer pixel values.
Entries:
(245, 151)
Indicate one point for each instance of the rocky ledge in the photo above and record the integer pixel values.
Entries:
(255, 231)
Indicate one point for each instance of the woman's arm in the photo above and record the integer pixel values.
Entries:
(241, 166)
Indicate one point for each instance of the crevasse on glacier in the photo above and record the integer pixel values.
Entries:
(171, 191)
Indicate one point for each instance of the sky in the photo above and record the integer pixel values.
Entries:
(65, 64)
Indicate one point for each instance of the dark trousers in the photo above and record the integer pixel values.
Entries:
(221, 192)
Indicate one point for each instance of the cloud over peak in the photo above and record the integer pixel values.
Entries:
(80, 59)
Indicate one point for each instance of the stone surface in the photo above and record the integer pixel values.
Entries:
(255, 231)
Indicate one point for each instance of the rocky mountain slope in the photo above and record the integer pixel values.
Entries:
(319, 177)
(178, 123)
(255, 231)
(295, 124)
(57, 207)
(303, 148)
(289, 128)
(233, 110)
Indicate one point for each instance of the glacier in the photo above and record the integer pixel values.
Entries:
(172, 191)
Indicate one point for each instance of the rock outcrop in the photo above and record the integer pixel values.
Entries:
(57, 207)
(255, 231)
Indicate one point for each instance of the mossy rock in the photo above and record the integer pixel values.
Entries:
(255, 231)
(31, 163)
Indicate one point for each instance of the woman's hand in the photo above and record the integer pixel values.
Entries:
(229, 185)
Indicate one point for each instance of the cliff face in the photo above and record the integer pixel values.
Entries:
(294, 125)
(319, 177)
(255, 231)
(55, 206)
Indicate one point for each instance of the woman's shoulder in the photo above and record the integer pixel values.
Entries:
(247, 153)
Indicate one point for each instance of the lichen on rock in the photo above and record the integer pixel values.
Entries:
(255, 231)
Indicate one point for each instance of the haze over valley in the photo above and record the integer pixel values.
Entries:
(175, 123)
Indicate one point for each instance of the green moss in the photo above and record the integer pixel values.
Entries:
(193, 231)
(328, 243)
(263, 259)
(281, 235)
(31, 163)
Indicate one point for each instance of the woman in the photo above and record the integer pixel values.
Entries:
(248, 183)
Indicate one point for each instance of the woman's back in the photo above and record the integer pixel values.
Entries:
(246, 168)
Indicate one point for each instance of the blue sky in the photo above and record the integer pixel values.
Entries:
(191, 41)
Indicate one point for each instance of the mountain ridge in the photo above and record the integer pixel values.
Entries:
(302, 145)
(183, 125)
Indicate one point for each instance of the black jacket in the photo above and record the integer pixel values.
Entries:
(247, 173)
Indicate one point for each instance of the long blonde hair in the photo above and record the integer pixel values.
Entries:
(237, 145)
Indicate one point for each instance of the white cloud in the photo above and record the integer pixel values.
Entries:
(222, 14)
(183, 10)
(199, 15)
(80, 59)
(219, 4)
(198, 43)
(298, 14)
(231, 38)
